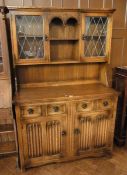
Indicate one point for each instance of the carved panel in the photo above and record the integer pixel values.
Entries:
(35, 140)
(101, 131)
(44, 138)
(92, 132)
(85, 133)
(53, 135)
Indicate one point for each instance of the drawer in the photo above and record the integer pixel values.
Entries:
(54, 109)
(84, 106)
(27, 111)
(105, 103)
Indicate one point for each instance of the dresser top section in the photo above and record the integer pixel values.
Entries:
(106, 10)
(68, 92)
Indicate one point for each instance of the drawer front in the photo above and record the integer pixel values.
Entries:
(84, 106)
(105, 103)
(31, 111)
(54, 109)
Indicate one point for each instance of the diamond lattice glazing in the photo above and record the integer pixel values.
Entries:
(95, 37)
(30, 36)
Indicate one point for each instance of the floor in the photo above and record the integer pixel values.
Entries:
(117, 165)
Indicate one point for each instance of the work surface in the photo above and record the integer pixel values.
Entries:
(62, 92)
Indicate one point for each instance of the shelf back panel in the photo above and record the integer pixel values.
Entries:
(57, 73)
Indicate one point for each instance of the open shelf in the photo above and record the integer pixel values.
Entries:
(64, 50)
(64, 39)
(59, 30)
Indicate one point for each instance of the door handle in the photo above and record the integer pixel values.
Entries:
(64, 133)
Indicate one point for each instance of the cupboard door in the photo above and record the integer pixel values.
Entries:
(83, 134)
(31, 38)
(56, 137)
(102, 134)
(96, 37)
(92, 132)
(33, 134)
(44, 138)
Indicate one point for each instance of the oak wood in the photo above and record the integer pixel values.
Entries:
(64, 111)
(64, 92)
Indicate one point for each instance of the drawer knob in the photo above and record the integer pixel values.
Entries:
(105, 103)
(64, 133)
(56, 108)
(84, 105)
(30, 111)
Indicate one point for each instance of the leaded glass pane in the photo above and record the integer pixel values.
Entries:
(30, 36)
(95, 36)
(1, 61)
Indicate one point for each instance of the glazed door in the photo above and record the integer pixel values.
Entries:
(92, 132)
(31, 38)
(44, 139)
(96, 37)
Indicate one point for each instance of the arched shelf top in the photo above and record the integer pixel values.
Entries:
(72, 21)
(56, 21)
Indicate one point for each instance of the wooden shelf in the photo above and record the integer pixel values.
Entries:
(65, 61)
(94, 59)
(30, 36)
(64, 39)
(65, 91)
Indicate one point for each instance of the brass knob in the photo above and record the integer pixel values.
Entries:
(105, 103)
(56, 108)
(64, 133)
(30, 111)
(84, 105)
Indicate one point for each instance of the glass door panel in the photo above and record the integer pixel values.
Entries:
(30, 36)
(95, 36)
